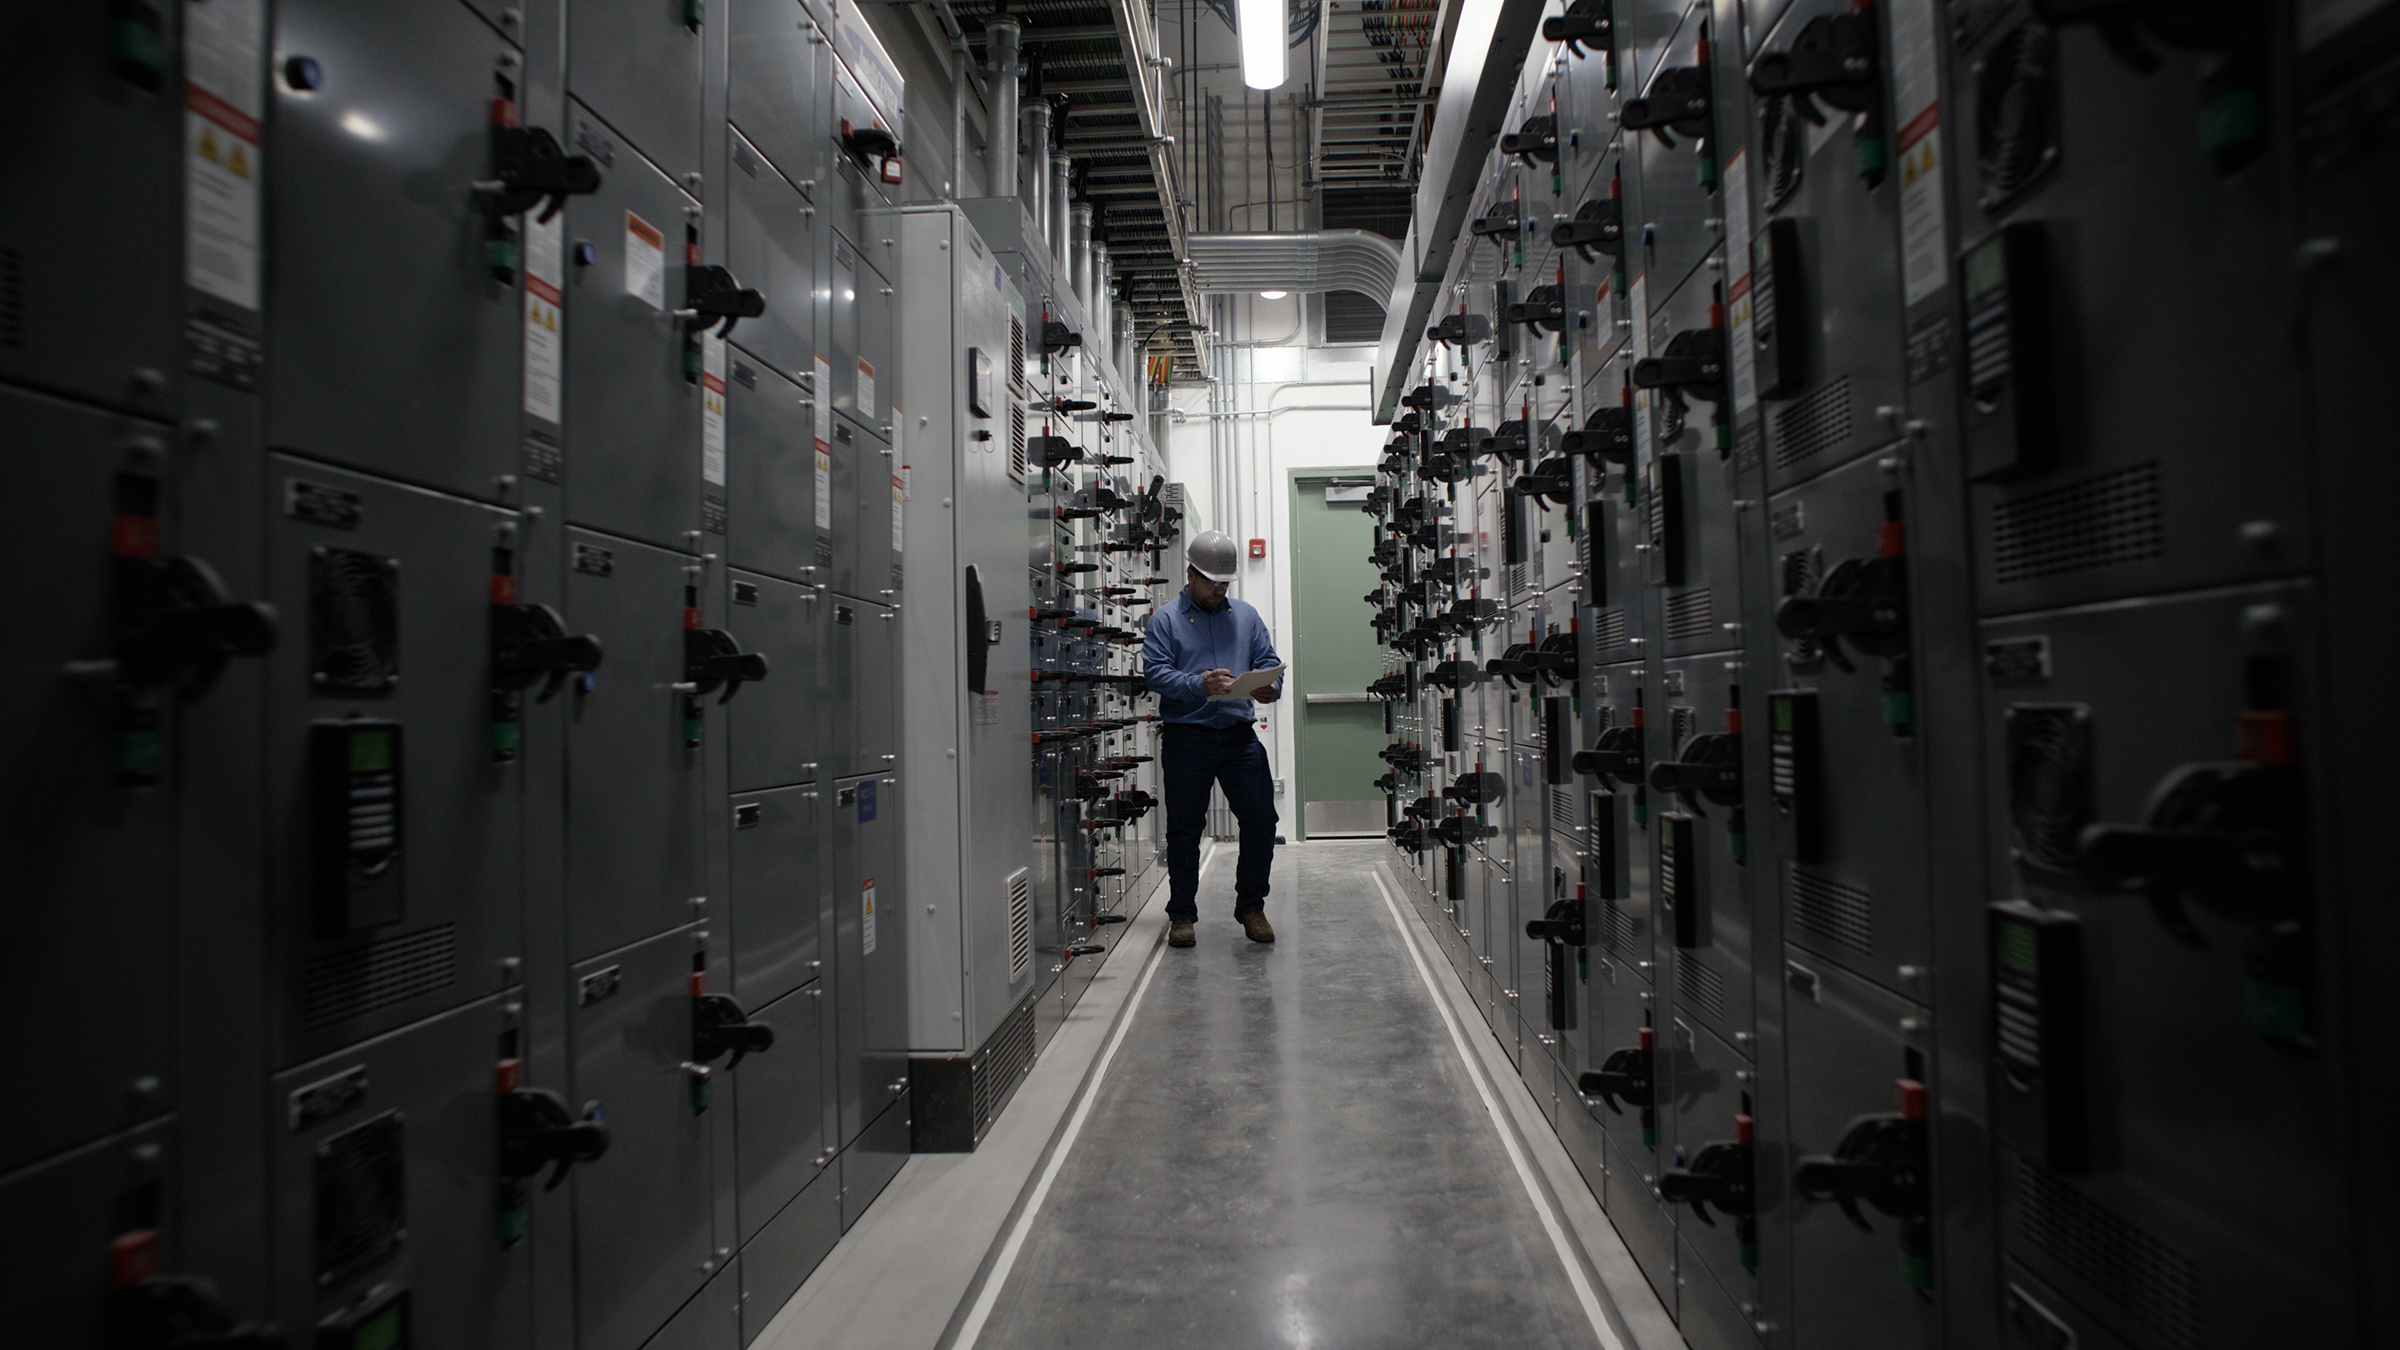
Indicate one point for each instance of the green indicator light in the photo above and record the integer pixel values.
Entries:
(1737, 843)
(1987, 270)
(507, 737)
(1899, 708)
(1708, 171)
(2229, 120)
(512, 1225)
(370, 751)
(1867, 156)
(2277, 1010)
(382, 1332)
(1649, 1135)
(500, 255)
(695, 12)
(2018, 949)
(138, 756)
(702, 1092)
(1783, 714)
(137, 45)
(1749, 1256)
(691, 363)
(691, 730)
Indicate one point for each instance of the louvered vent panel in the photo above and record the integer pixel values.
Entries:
(1562, 809)
(1516, 578)
(1005, 1058)
(1813, 425)
(1016, 352)
(1701, 987)
(1608, 629)
(2157, 1284)
(1020, 925)
(2106, 520)
(1833, 910)
(1016, 439)
(1691, 615)
(12, 297)
(1617, 928)
(340, 986)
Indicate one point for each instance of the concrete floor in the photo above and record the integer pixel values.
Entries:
(1288, 1151)
(1314, 1143)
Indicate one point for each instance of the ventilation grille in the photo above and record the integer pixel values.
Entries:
(1020, 925)
(361, 1197)
(1608, 630)
(12, 297)
(1816, 423)
(340, 986)
(1841, 913)
(1016, 353)
(1005, 1060)
(1516, 578)
(2106, 520)
(2147, 1278)
(1617, 929)
(1016, 438)
(1692, 614)
(1701, 987)
(1562, 810)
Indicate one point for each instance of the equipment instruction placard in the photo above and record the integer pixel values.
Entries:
(645, 261)
(545, 276)
(224, 43)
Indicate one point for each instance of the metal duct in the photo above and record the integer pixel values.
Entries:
(1060, 168)
(1000, 131)
(1328, 260)
(1079, 253)
(1035, 121)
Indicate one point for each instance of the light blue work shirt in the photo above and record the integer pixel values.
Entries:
(1185, 642)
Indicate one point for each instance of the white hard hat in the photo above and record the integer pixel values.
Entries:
(1213, 555)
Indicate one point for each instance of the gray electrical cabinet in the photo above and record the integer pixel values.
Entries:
(632, 400)
(776, 85)
(637, 64)
(384, 1193)
(392, 758)
(644, 1214)
(776, 522)
(393, 294)
(634, 861)
(93, 844)
(776, 727)
(94, 313)
(69, 1216)
(870, 941)
(970, 827)
(773, 243)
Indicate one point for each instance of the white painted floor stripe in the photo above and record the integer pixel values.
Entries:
(1551, 1224)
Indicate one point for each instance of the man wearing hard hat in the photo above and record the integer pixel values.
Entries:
(1197, 646)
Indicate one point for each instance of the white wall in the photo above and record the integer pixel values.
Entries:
(1293, 408)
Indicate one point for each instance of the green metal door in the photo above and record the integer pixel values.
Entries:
(1339, 727)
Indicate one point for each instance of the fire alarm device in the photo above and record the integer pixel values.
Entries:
(1258, 548)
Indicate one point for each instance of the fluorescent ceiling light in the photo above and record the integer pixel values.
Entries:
(1272, 295)
(1264, 32)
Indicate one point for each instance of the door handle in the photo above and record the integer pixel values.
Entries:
(1340, 698)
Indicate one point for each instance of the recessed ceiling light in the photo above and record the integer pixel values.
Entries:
(1272, 295)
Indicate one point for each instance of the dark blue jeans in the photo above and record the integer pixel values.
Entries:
(1231, 757)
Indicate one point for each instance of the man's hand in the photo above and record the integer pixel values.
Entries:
(1268, 693)
(1216, 682)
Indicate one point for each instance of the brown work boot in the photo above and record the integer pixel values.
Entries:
(1179, 933)
(1256, 926)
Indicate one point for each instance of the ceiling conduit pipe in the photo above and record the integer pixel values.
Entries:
(1035, 121)
(1000, 124)
(1079, 253)
(1059, 169)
